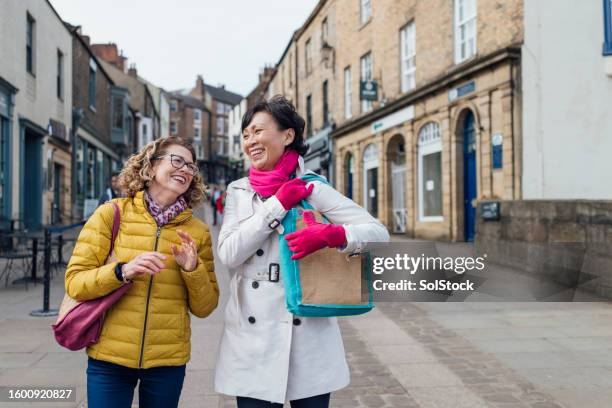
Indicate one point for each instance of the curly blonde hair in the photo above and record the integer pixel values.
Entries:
(136, 174)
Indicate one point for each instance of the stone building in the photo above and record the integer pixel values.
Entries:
(422, 103)
(35, 115)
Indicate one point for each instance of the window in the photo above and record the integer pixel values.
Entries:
(196, 115)
(366, 75)
(607, 48)
(325, 105)
(30, 43)
(370, 179)
(221, 150)
(348, 94)
(408, 57)
(220, 108)
(220, 125)
(196, 133)
(92, 83)
(349, 171)
(290, 76)
(465, 29)
(118, 118)
(173, 106)
(366, 10)
(309, 115)
(173, 127)
(324, 31)
(60, 75)
(430, 173)
(308, 59)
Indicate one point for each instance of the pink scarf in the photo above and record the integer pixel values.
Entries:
(265, 183)
(163, 217)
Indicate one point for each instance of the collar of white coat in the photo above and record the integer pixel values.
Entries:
(244, 184)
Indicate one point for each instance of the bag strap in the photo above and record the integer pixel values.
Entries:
(115, 230)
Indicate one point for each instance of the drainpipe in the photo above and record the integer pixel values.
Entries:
(77, 116)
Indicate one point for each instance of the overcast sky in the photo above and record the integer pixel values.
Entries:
(226, 41)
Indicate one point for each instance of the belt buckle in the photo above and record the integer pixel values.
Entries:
(273, 272)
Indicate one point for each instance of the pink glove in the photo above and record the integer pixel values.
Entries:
(292, 192)
(314, 237)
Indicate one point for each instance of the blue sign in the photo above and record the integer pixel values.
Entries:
(461, 91)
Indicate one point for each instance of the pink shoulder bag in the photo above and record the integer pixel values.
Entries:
(79, 324)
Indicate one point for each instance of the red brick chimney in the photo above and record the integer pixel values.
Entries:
(109, 53)
(199, 90)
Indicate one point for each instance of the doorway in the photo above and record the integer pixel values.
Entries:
(33, 189)
(469, 176)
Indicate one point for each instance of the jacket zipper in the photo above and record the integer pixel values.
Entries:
(144, 329)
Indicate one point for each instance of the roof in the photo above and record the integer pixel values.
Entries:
(137, 89)
(189, 100)
(223, 95)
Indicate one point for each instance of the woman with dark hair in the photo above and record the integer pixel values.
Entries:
(267, 355)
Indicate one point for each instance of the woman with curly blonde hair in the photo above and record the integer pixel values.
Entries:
(166, 252)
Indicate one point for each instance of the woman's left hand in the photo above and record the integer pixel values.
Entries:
(314, 237)
(187, 255)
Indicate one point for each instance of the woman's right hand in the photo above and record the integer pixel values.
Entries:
(146, 263)
(292, 192)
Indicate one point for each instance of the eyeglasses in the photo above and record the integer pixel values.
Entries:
(178, 163)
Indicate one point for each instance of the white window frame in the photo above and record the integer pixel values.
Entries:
(466, 29)
(308, 56)
(196, 133)
(173, 127)
(408, 57)
(370, 161)
(433, 144)
(365, 10)
(366, 75)
(348, 93)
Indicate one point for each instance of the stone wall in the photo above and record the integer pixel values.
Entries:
(569, 241)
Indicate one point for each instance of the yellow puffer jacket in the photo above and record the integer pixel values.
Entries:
(149, 326)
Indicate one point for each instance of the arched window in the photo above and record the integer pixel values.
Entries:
(430, 173)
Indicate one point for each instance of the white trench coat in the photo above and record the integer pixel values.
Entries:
(266, 352)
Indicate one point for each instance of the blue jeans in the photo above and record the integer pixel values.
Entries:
(112, 385)
(318, 401)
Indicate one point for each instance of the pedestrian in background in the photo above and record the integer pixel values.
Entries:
(267, 355)
(213, 203)
(112, 191)
(167, 254)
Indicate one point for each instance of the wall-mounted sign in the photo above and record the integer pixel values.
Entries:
(57, 129)
(462, 90)
(394, 119)
(490, 210)
(497, 151)
(368, 90)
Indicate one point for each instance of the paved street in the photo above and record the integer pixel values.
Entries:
(430, 355)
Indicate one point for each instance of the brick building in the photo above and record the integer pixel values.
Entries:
(142, 101)
(103, 126)
(190, 119)
(420, 103)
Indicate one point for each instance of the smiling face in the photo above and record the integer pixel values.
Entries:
(263, 142)
(166, 176)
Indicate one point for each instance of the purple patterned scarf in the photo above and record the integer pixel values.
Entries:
(162, 217)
